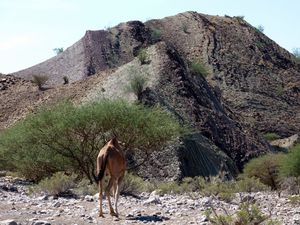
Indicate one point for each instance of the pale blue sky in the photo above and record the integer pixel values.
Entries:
(30, 29)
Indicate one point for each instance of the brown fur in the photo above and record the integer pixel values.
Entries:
(111, 161)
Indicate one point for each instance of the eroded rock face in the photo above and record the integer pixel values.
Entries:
(191, 99)
(258, 79)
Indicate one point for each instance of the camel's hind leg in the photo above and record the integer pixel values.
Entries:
(117, 193)
(107, 192)
(100, 198)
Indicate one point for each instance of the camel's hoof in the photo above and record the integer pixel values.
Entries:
(101, 215)
(114, 214)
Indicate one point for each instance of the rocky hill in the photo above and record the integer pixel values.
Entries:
(249, 86)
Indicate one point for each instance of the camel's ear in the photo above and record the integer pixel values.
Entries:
(114, 140)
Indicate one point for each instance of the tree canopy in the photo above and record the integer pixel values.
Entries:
(68, 138)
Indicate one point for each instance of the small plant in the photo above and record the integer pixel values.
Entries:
(143, 56)
(296, 53)
(134, 185)
(291, 185)
(271, 136)
(66, 80)
(57, 184)
(294, 199)
(249, 184)
(40, 80)
(155, 35)
(260, 28)
(185, 28)
(137, 84)
(84, 187)
(58, 50)
(197, 68)
(247, 214)
(241, 17)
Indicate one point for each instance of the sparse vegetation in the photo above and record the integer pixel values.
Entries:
(247, 214)
(56, 184)
(296, 53)
(66, 79)
(68, 138)
(271, 136)
(58, 50)
(143, 56)
(197, 68)
(155, 35)
(260, 28)
(185, 28)
(40, 80)
(291, 163)
(137, 84)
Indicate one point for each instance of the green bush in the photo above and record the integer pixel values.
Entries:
(266, 168)
(84, 187)
(143, 56)
(134, 185)
(197, 68)
(155, 35)
(271, 136)
(68, 138)
(249, 184)
(57, 184)
(291, 163)
(137, 84)
(247, 214)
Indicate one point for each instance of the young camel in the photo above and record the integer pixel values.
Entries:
(110, 160)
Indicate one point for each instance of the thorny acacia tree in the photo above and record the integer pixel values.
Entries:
(68, 138)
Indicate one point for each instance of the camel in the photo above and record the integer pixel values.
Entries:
(110, 160)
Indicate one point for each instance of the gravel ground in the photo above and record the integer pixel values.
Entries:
(17, 207)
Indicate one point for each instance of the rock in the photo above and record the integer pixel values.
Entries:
(285, 142)
(89, 198)
(40, 222)
(8, 222)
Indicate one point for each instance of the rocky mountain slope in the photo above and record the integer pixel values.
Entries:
(251, 86)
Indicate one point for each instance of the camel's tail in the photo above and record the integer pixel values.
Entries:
(100, 175)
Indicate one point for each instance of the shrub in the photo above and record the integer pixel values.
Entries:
(143, 56)
(266, 169)
(68, 138)
(57, 184)
(84, 187)
(247, 214)
(295, 199)
(291, 185)
(39, 80)
(249, 184)
(296, 53)
(155, 35)
(66, 80)
(185, 28)
(58, 50)
(271, 136)
(137, 84)
(134, 185)
(260, 28)
(197, 68)
(291, 163)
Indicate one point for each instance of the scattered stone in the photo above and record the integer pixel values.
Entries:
(8, 222)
